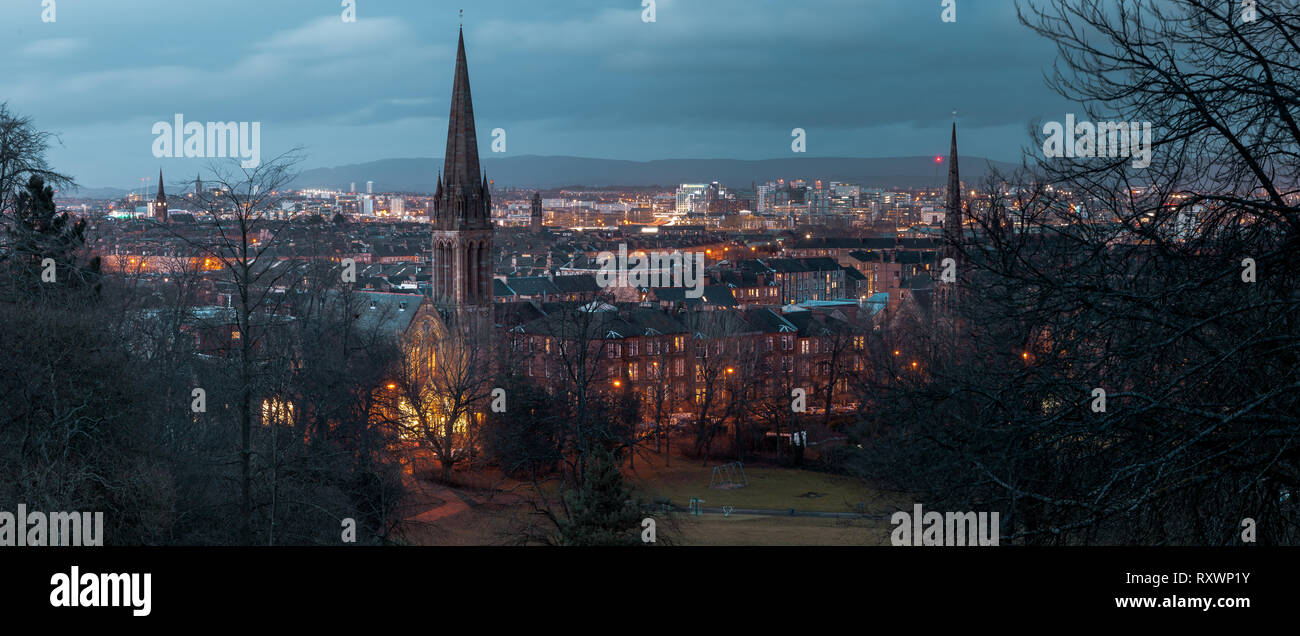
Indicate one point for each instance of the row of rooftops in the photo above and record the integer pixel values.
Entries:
(866, 243)
(630, 320)
(789, 265)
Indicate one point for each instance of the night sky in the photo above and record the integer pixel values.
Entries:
(707, 79)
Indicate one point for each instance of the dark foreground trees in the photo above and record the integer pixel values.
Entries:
(1123, 363)
(98, 373)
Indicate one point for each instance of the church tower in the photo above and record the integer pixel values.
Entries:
(536, 216)
(160, 202)
(462, 209)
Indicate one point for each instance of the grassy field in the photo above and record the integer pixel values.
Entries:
(744, 530)
(769, 487)
(495, 519)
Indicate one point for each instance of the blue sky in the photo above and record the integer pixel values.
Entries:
(707, 79)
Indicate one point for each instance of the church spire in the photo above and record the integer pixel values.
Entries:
(460, 165)
(462, 204)
(952, 268)
(952, 220)
(160, 202)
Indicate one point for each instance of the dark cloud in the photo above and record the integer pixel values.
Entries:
(722, 78)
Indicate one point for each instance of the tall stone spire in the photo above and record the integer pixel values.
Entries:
(160, 202)
(465, 201)
(462, 203)
(952, 272)
(952, 219)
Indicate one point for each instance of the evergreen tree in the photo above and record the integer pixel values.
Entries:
(601, 509)
(40, 232)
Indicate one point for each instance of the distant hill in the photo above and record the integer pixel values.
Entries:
(531, 171)
(95, 193)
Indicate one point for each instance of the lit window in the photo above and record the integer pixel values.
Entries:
(276, 411)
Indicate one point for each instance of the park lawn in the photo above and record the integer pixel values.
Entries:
(770, 487)
(754, 530)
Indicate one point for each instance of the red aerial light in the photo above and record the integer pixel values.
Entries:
(938, 159)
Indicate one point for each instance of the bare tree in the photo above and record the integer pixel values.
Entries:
(1125, 370)
(243, 241)
(22, 156)
(443, 385)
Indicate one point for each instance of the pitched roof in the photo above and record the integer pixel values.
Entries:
(581, 283)
(387, 312)
(532, 286)
(767, 321)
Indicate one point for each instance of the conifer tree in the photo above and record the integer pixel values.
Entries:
(601, 510)
(39, 232)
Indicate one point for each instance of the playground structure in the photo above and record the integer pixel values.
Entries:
(727, 476)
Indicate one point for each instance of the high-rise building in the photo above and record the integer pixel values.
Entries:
(688, 195)
(370, 187)
(765, 201)
(462, 203)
